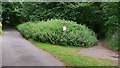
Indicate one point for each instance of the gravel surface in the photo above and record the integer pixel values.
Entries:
(0, 51)
(17, 51)
(100, 51)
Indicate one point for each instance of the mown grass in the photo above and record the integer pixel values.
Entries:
(71, 57)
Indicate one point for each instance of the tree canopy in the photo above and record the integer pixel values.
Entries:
(101, 17)
(93, 14)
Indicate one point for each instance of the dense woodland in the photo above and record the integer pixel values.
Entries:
(101, 17)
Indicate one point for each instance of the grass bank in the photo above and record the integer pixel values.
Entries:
(71, 57)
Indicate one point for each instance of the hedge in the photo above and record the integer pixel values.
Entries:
(51, 31)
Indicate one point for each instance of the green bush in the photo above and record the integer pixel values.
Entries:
(112, 39)
(112, 33)
(51, 31)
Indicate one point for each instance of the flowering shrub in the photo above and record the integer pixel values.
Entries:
(51, 31)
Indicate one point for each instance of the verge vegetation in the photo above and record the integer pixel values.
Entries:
(71, 57)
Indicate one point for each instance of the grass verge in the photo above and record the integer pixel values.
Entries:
(71, 57)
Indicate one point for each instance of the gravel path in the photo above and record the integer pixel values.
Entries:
(0, 51)
(100, 51)
(19, 52)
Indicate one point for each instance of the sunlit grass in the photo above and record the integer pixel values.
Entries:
(71, 57)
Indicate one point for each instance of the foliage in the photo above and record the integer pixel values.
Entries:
(0, 7)
(13, 11)
(95, 18)
(112, 25)
(44, 11)
(101, 17)
(113, 39)
(51, 31)
(75, 11)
